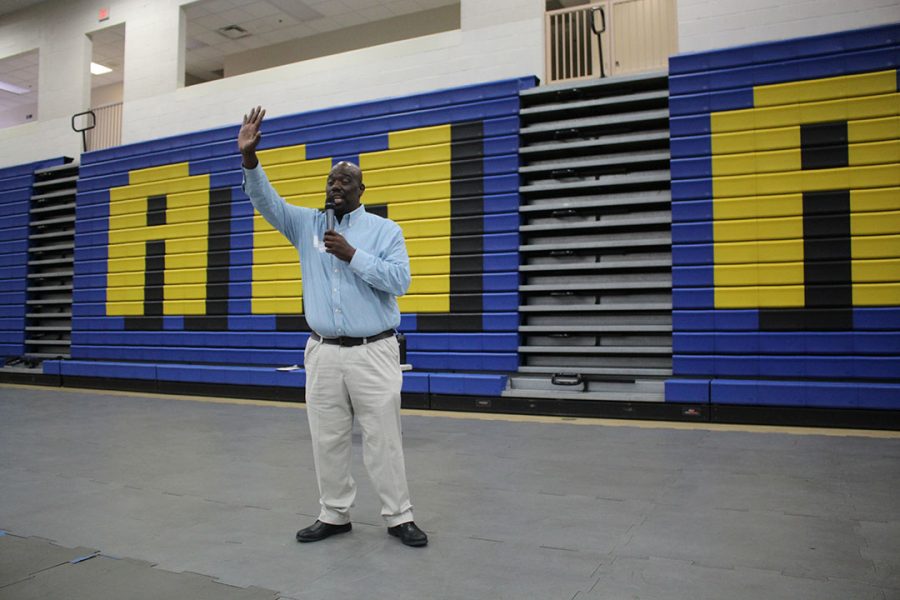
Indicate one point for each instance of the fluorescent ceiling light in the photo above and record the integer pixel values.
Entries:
(99, 69)
(11, 87)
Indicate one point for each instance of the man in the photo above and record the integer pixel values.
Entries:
(351, 278)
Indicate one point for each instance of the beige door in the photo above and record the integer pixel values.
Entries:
(643, 34)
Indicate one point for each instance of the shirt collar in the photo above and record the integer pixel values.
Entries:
(352, 217)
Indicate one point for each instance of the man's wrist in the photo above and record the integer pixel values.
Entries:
(249, 160)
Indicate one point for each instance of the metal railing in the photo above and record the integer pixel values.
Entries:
(108, 129)
(574, 38)
(609, 38)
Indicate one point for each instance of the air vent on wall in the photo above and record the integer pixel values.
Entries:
(233, 32)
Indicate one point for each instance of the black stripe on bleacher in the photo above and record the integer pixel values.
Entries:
(466, 244)
(154, 277)
(467, 234)
(467, 225)
(467, 140)
(827, 269)
(824, 145)
(806, 319)
(469, 169)
(826, 157)
(464, 149)
(377, 209)
(460, 188)
(218, 258)
(291, 323)
(463, 303)
(831, 238)
(465, 207)
(468, 264)
(206, 323)
(143, 323)
(467, 283)
(458, 323)
(156, 210)
(466, 164)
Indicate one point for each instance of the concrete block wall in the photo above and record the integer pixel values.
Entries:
(711, 24)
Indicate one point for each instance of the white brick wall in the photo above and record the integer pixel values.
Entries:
(498, 39)
(711, 24)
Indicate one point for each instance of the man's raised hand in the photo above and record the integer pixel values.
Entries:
(249, 136)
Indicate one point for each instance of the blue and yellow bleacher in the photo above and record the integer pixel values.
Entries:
(786, 222)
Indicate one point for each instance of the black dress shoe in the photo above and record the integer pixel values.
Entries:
(409, 534)
(319, 531)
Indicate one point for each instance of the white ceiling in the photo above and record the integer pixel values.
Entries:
(267, 21)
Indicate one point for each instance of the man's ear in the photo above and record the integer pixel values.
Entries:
(362, 188)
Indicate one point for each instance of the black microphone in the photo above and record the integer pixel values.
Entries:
(329, 214)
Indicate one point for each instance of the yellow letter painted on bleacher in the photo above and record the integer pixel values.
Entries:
(784, 171)
(158, 240)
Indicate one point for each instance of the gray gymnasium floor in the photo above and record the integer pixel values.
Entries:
(126, 496)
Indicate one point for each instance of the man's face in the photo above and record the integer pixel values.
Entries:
(345, 187)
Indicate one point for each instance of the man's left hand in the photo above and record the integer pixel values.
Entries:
(337, 245)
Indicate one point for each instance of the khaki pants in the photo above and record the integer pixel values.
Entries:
(363, 381)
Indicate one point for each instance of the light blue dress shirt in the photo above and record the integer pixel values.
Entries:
(356, 299)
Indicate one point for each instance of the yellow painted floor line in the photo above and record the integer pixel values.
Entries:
(513, 418)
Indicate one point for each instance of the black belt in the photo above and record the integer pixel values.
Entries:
(347, 342)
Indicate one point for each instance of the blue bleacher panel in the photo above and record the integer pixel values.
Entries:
(687, 390)
(468, 384)
(231, 375)
(789, 366)
(876, 319)
(691, 189)
(464, 361)
(692, 233)
(416, 383)
(831, 43)
(194, 354)
(701, 298)
(51, 367)
(806, 394)
(111, 368)
(462, 342)
(692, 254)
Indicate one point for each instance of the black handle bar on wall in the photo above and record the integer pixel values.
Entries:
(597, 32)
(86, 128)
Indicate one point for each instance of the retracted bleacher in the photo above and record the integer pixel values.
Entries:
(786, 224)
(178, 283)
